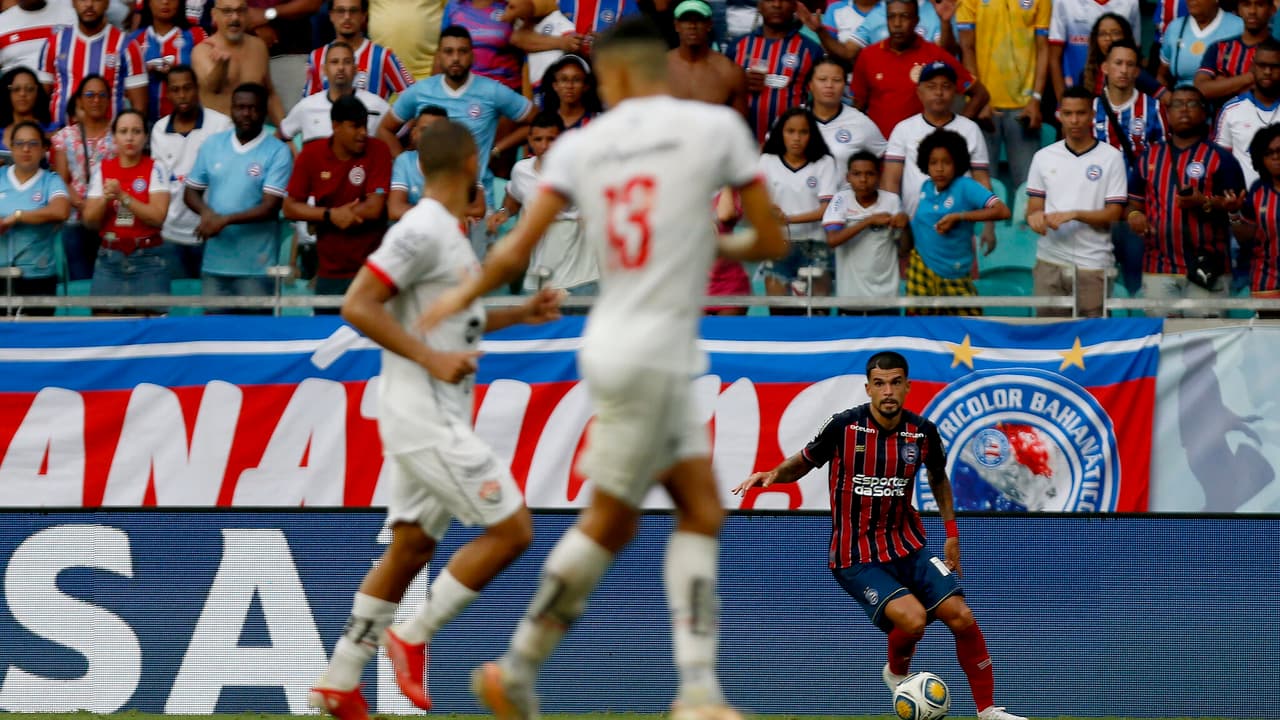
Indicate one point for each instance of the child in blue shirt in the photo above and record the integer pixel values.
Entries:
(942, 261)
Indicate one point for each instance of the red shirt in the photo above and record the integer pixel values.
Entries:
(119, 225)
(884, 80)
(319, 173)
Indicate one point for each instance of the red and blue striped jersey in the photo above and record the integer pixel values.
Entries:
(494, 55)
(1166, 12)
(1160, 172)
(787, 62)
(70, 55)
(164, 51)
(1227, 58)
(1262, 208)
(593, 16)
(1143, 120)
(871, 475)
(378, 71)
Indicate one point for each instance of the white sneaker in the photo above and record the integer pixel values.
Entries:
(998, 713)
(685, 711)
(893, 680)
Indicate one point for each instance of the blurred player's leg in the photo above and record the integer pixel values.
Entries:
(909, 620)
(690, 573)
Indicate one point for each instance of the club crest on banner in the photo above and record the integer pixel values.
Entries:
(1025, 439)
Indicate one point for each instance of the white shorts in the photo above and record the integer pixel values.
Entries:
(645, 423)
(463, 479)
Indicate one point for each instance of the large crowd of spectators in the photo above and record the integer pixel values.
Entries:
(235, 142)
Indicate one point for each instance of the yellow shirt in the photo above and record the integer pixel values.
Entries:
(410, 28)
(1005, 33)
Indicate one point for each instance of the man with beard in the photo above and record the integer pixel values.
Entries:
(310, 117)
(878, 553)
(92, 46)
(694, 70)
(475, 102)
(232, 57)
(1253, 109)
(175, 140)
(1180, 197)
(378, 70)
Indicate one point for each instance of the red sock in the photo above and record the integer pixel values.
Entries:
(901, 647)
(971, 650)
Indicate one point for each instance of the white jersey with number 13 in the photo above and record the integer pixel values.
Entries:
(643, 175)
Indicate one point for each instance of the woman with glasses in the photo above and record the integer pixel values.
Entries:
(127, 202)
(78, 150)
(24, 99)
(165, 39)
(569, 90)
(33, 203)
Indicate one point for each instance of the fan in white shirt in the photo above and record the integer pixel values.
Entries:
(310, 117)
(1253, 110)
(642, 175)
(937, 91)
(863, 224)
(846, 130)
(175, 140)
(24, 30)
(1077, 189)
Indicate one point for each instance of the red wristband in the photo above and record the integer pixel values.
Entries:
(952, 530)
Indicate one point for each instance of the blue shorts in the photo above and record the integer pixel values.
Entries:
(921, 574)
(803, 253)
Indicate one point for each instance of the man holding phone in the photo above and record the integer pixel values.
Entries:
(777, 59)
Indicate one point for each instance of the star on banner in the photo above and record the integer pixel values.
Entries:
(1074, 356)
(963, 353)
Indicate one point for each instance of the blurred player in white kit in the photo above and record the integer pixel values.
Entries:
(642, 176)
(438, 468)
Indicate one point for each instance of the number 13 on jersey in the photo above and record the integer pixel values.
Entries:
(627, 223)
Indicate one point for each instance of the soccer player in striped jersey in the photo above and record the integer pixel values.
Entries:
(1258, 226)
(378, 70)
(778, 60)
(1179, 197)
(878, 552)
(165, 40)
(91, 46)
(1224, 70)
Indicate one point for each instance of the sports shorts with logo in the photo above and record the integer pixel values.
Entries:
(874, 584)
(645, 423)
(461, 479)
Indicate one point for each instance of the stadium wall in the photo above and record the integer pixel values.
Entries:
(229, 610)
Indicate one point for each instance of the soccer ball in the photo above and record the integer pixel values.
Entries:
(922, 696)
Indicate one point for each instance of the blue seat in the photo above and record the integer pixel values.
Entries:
(1006, 282)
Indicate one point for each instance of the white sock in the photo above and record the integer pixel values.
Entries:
(570, 574)
(359, 641)
(447, 599)
(690, 575)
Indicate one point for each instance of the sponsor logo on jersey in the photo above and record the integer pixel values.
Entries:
(1093, 172)
(474, 111)
(254, 170)
(1024, 439)
(869, 486)
(811, 181)
(109, 60)
(356, 175)
(36, 196)
(1137, 125)
(790, 60)
(910, 453)
(491, 492)
(1026, 4)
(362, 80)
(843, 136)
(1195, 170)
(948, 203)
(871, 595)
(139, 184)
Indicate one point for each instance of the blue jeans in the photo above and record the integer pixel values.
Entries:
(144, 272)
(238, 286)
(1020, 144)
(80, 246)
(184, 260)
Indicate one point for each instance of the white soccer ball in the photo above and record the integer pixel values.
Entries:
(922, 696)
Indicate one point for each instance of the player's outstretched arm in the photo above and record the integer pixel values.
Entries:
(365, 308)
(505, 260)
(543, 306)
(791, 470)
(769, 241)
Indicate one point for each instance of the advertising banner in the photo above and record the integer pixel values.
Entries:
(272, 412)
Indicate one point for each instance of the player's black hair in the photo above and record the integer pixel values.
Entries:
(1077, 92)
(443, 147)
(546, 119)
(339, 44)
(1125, 44)
(181, 69)
(348, 108)
(33, 125)
(831, 60)
(863, 156)
(775, 145)
(434, 111)
(590, 93)
(1258, 151)
(257, 90)
(75, 97)
(364, 7)
(947, 140)
(635, 29)
(914, 5)
(40, 109)
(887, 360)
(147, 18)
(456, 31)
(1271, 43)
(115, 121)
